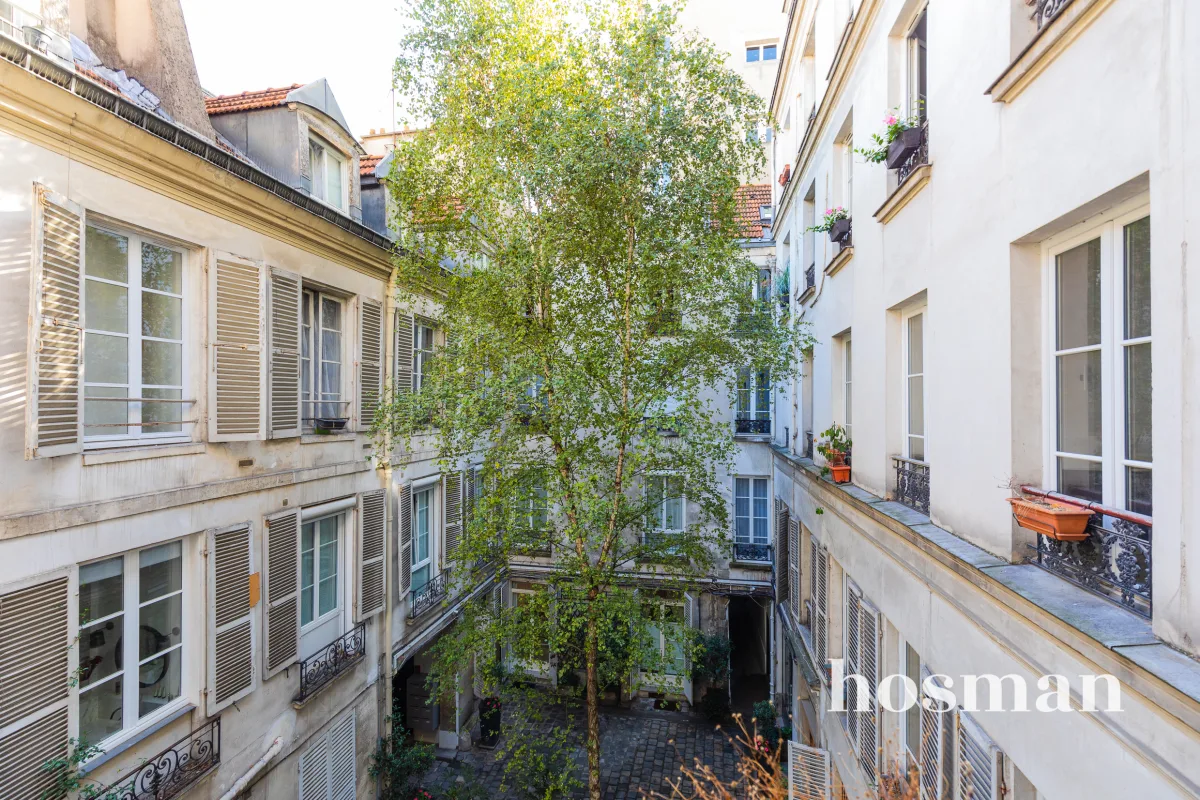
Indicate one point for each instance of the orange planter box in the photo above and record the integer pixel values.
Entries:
(841, 473)
(1062, 522)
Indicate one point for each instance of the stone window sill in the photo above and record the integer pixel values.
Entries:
(840, 260)
(325, 438)
(117, 455)
(904, 193)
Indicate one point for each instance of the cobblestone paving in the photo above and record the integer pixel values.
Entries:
(639, 749)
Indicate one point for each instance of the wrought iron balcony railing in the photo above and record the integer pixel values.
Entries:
(912, 483)
(172, 771)
(1046, 10)
(751, 426)
(808, 444)
(1114, 562)
(919, 157)
(747, 551)
(810, 277)
(331, 661)
(429, 595)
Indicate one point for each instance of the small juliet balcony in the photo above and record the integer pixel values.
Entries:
(913, 156)
(332, 660)
(753, 554)
(912, 483)
(173, 771)
(429, 596)
(810, 282)
(752, 425)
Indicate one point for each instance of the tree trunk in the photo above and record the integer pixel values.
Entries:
(593, 709)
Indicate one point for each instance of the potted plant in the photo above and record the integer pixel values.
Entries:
(1062, 521)
(899, 140)
(834, 447)
(836, 224)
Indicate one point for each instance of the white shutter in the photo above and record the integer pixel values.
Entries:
(469, 478)
(370, 362)
(402, 353)
(452, 489)
(55, 356)
(932, 747)
(782, 573)
(281, 576)
(314, 770)
(868, 666)
(794, 559)
(853, 659)
(808, 773)
(33, 687)
(235, 395)
(283, 368)
(820, 604)
(979, 762)
(372, 528)
(341, 759)
(405, 516)
(231, 619)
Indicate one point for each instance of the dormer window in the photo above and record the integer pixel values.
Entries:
(328, 169)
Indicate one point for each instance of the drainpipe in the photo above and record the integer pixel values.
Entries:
(240, 785)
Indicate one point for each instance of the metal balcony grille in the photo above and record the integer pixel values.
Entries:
(331, 661)
(758, 553)
(751, 426)
(429, 595)
(172, 771)
(1044, 11)
(810, 276)
(919, 158)
(808, 444)
(912, 483)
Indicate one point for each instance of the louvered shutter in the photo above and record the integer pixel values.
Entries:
(782, 573)
(236, 343)
(402, 355)
(452, 486)
(283, 368)
(794, 558)
(470, 475)
(231, 619)
(370, 363)
(33, 687)
(868, 666)
(477, 677)
(932, 749)
(314, 770)
(56, 336)
(405, 503)
(808, 773)
(820, 604)
(281, 574)
(341, 759)
(853, 659)
(979, 762)
(372, 528)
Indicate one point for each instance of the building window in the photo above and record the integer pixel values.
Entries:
(422, 546)
(914, 387)
(750, 510)
(665, 495)
(319, 570)
(847, 385)
(328, 168)
(917, 67)
(535, 510)
(321, 349)
(130, 639)
(1100, 287)
(133, 338)
(533, 654)
(422, 354)
(912, 716)
(665, 633)
(754, 396)
(752, 54)
(766, 214)
(848, 174)
(769, 52)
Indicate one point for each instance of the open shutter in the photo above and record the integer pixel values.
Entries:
(370, 363)
(932, 746)
(56, 335)
(470, 475)
(341, 759)
(783, 575)
(853, 660)
(372, 527)
(405, 503)
(794, 557)
(235, 397)
(979, 762)
(868, 666)
(808, 773)
(314, 770)
(402, 354)
(281, 574)
(283, 368)
(231, 618)
(33, 687)
(452, 485)
(820, 605)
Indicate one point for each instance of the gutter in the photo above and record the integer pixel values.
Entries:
(241, 783)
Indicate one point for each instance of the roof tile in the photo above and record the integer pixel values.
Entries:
(248, 101)
(367, 164)
(750, 199)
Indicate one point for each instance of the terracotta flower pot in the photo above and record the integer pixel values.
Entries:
(904, 145)
(835, 458)
(1062, 522)
(841, 473)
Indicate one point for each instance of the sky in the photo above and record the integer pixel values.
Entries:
(243, 45)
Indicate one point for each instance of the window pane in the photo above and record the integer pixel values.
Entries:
(1137, 403)
(106, 412)
(159, 682)
(101, 589)
(327, 596)
(916, 344)
(107, 255)
(100, 711)
(916, 405)
(331, 315)
(916, 448)
(162, 316)
(1137, 279)
(98, 650)
(1082, 479)
(106, 358)
(1079, 403)
(760, 530)
(751, 54)
(333, 178)
(162, 269)
(420, 577)
(160, 571)
(769, 52)
(1078, 283)
(160, 626)
(162, 412)
(307, 571)
(673, 506)
(912, 717)
(741, 529)
(162, 363)
(106, 307)
(306, 601)
(315, 158)
(1139, 490)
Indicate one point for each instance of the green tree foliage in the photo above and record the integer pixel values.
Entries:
(570, 206)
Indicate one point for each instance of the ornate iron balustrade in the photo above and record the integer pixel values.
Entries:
(1114, 562)
(912, 483)
(746, 551)
(751, 426)
(808, 444)
(172, 771)
(429, 595)
(919, 158)
(1045, 11)
(810, 277)
(331, 661)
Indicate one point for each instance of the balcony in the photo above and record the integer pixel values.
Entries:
(808, 444)
(171, 772)
(749, 553)
(918, 158)
(428, 596)
(912, 483)
(331, 661)
(1046, 10)
(810, 282)
(752, 426)
(1114, 562)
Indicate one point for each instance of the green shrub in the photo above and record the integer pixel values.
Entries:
(715, 705)
(398, 763)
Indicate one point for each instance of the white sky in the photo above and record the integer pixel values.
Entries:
(243, 45)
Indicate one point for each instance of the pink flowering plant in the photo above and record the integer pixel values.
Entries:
(832, 215)
(895, 124)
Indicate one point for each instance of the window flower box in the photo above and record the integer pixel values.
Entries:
(839, 230)
(1057, 521)
(907, 142)
(327, 425)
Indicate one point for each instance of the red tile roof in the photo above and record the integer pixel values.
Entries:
(248, 101)
(100, 79)
(366, 165)
(750, 199)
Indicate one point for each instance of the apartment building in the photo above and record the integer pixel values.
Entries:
(1008, 307)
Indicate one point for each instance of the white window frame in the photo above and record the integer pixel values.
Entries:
(664, 642)
(135, 435)
(309, 403)
(661, 512)
(320, 619)
(766, 482)
(847, 383)
(848, 174)
(907, 376)
(420, 355)
(538, 667)
(913, 48)
(328, 153)
(131, 600)
(753, 393)
(429, 486)
(1109, 229)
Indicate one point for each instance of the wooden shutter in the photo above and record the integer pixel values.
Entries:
(34, 690)
(341, 759)
(782, 573)
(794, 558)
(236, 331)
(402, 352)
(853, 659)
(452, 486)
(281, 574)
(820, 604)
(979, 762)
(372, 528)
(55, 355)
(283, 368)
(231, 619)
(470, 475)
(405, 502)
(314, 770)
(808, 773)
(869, 756)
(370, 362)
(932, 779)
